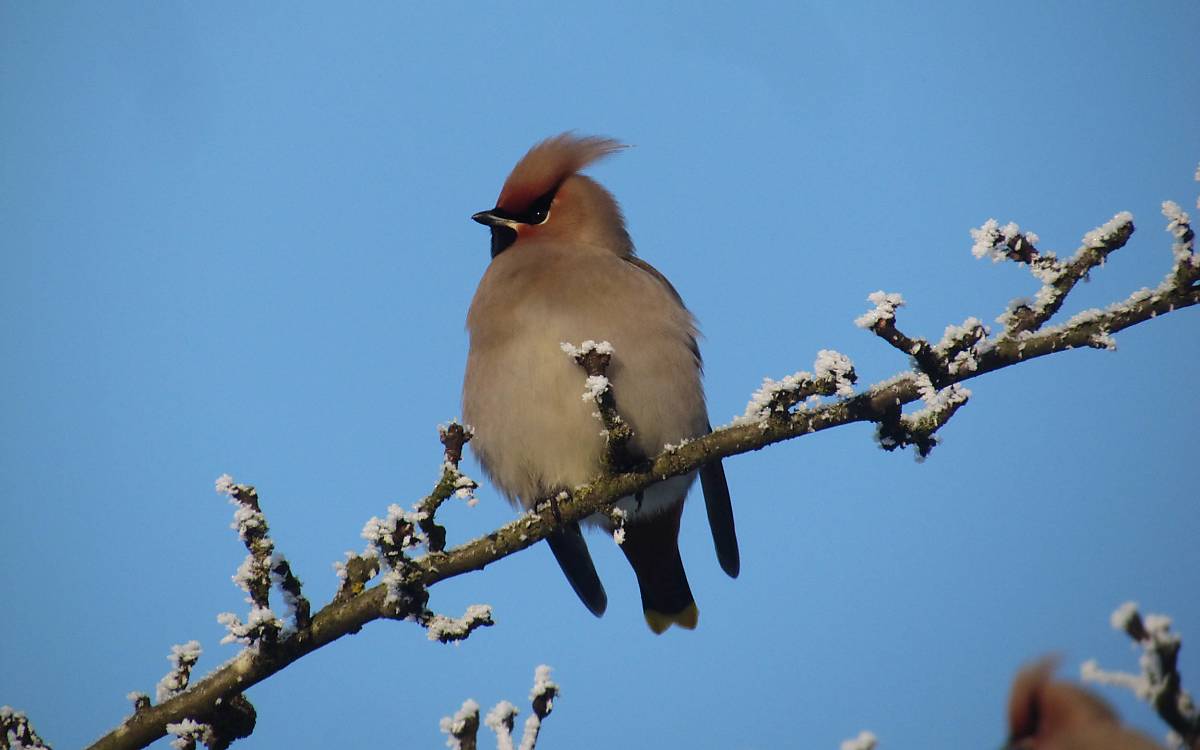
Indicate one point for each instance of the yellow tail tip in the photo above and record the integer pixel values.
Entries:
(686, 619)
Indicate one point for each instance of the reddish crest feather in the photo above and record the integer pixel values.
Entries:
(549, 163)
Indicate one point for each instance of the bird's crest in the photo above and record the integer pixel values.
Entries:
(547, 164)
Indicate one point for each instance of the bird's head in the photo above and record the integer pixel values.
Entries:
(546, 198)
(1041, 709)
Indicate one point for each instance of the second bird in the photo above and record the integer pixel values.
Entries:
(564, 270)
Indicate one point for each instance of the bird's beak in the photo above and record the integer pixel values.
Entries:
(490, 219)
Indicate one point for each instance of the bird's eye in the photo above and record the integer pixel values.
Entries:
(540, 210)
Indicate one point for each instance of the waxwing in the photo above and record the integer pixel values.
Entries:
(563, 270)
(1049, 714)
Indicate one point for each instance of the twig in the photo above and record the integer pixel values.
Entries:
(182, 657)
(1159, 683)
(453, 483)
(594, 358)
(462, 727)
(864, 741)
(17, 732)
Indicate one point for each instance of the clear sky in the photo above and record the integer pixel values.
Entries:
(236, 239)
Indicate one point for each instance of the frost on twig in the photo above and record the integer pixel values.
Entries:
(919, 428)
(940, 362)
(17, 732)
(189, 732)
(228, 721)
(390, 538)
(864, 741)
(449, 629)
(463, 725)
(1159, 682)
(453, 483)
(618, 517)
(594, 358)
(1058, 277)
(968, 349)
(542, 697)
(387, 540)
(500, 720)
(881, 320)
(262, 566)
(182, 657)
(140, 700)
(833, 375)
(1184, 247)
(407, 598)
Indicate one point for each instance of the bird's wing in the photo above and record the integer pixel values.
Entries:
(642, 265)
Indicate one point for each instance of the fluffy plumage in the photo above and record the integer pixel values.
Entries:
(564, 270)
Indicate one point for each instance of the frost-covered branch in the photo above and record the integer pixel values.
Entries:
(182, 657)
(453, 483)
(450, 629)
(594, 357)
(897, 430)
(542, 697)
(464, 724)
(864, 741)
(1058, 277)
(1159, 682)
(17, 732)
(780, 410)
(772, 402)
(262, 566)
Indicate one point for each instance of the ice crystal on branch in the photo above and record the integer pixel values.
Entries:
(1108, 231)
(452, 483)
(449, 629)
(774, 398)
(864, 741)
(1159, 682)
(262, 567)
(261, 625)
(16, 731)
(594, 359)
(189, 732)
(462, 726)
(500, 720)
(885, 308)
(1004, 242)
(182, 657)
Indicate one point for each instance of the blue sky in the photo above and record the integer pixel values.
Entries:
(236, 239)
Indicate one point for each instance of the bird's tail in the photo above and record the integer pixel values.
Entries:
(571, 551)
(652, 547)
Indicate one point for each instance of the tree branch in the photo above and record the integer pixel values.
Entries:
(780, 411)
(1159, 683)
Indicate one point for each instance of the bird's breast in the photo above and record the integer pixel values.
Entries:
(534, 431)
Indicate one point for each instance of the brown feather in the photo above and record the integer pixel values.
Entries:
(549, 163)
(1049, 714)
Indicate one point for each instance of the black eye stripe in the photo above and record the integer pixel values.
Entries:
(537, 213)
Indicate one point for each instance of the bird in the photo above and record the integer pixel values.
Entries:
(563, 270)
(1049, 714)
